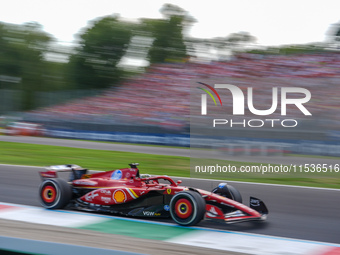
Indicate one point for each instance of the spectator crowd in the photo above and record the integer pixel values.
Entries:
(165, 93)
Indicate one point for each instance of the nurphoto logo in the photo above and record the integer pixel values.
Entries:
(238, 105)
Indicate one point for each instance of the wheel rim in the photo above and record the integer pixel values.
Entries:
(49, 194)
(183, 208)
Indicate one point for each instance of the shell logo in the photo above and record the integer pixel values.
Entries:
(119, 196)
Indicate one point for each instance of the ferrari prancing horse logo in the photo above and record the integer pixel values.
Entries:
(168, 191)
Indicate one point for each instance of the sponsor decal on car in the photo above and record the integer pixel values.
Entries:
(119, 196)
(214, 212)
(254, 202)
(84, 182)
(90, 196)
(168, 191)
(105, 192)
(167, 208)
(148, 213)
(49, 175)
(106, 199)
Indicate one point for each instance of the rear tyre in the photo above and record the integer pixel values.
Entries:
(55, 193)
(228, 191)
(187, 208)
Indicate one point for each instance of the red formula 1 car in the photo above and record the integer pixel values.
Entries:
(126, 192)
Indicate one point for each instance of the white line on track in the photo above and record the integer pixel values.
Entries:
(253, 183)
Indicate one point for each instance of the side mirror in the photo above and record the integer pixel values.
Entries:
(179, 182)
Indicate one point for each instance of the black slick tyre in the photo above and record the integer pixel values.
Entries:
(228, 191)
(55, 193)
(187, 208)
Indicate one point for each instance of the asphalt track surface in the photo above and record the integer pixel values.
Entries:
(294, 212)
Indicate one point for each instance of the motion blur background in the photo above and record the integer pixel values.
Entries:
(128, 79)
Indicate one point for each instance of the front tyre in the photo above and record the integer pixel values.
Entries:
(55, 193)
(228, 191)
(187, 208)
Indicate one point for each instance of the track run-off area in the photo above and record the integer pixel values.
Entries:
(301, 220)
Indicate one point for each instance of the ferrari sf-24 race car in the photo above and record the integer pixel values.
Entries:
(127, 192)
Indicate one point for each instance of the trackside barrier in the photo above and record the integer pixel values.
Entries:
(235, 146)
(25, 246)
(161, 139)
(254, 150)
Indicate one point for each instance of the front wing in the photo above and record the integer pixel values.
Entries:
(237, 212)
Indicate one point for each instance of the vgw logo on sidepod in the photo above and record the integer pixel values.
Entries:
(238, 105)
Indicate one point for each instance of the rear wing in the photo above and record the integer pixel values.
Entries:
(52, 171)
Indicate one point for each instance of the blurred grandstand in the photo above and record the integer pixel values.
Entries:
(87, 95)
(160, 98)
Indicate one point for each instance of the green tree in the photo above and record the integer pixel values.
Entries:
(10, 52)
(22, 49)
(102, 46)
(334, 33)
(35, 45)
(168, 34)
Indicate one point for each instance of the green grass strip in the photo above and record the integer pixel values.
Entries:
(138, 229)
(45, 155)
